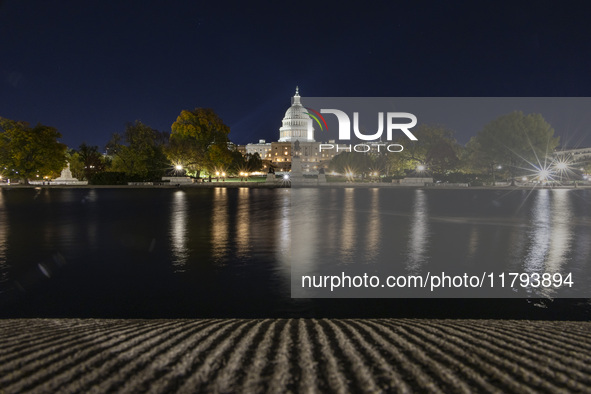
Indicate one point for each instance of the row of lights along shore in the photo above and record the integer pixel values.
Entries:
(557, 170)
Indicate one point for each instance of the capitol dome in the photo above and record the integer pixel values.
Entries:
(297, 124)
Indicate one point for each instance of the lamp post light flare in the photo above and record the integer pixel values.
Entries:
(421, 169)
(544, 175)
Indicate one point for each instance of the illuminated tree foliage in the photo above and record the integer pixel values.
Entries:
(435, 148)
(513, 141)
(76, 166)
(360, 163)
(355, 162)
(250, 162)
(199, 141)
(30, 152)
(139, 152)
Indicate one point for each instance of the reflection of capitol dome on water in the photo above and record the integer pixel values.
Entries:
(297, 124)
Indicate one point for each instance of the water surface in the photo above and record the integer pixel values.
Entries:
(225, 252)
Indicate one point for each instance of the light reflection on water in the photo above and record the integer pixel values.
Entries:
(220, 224)
(447, 230)
(473, 240)
(562, 231)
(540, 233)
(178, 230)
(243, 223)
(551, 234)
(282, 231)
(348, 227)
(248, 237)
(418, 242)
(304, 213)
(373, 232)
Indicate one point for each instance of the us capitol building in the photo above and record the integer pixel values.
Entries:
(297, 126)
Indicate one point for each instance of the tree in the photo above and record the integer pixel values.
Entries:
(199, 141)
(86, 161)
(361, 163)
(76, 165)
(253, 162)
(238, 163)
(30, 152)
(139, 152)
(249, 162)
(92, 160)
(351, 162)
(512, 141)
(435, 148)
(219, 158)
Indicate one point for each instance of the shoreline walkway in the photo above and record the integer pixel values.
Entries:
(294, 355)
(278, 185)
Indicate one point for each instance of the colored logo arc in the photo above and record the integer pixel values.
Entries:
(316, 115)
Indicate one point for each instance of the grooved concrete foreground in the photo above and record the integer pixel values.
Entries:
(298, 355)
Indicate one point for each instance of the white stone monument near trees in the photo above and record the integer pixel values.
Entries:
(65, 178)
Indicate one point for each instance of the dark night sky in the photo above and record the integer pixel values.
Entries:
(88, 67)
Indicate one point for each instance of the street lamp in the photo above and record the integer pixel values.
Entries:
(421, 169)
(543, 174)
(562, 167)
(350, 175)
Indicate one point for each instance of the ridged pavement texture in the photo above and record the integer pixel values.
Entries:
(298, 355)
